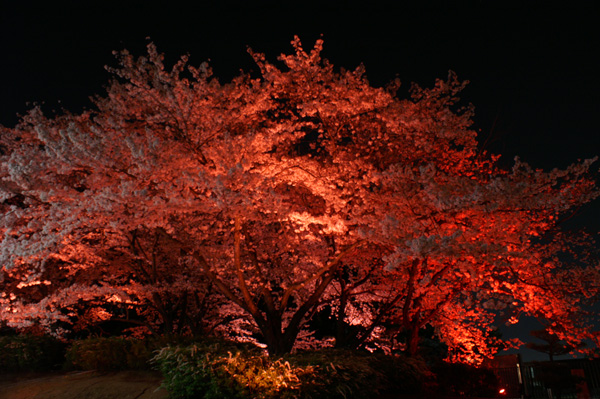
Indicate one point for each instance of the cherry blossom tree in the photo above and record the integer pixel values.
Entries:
(302, 189)
(140, 293)
(487, 251)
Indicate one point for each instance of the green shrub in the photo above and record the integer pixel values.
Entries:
(353, 374)
(26, 352)
(98, 353)
(113, 353)
(216, 369)
(403, 375)
(220, 369)
(338, 374)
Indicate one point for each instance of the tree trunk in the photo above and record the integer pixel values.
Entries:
(278, 342)
(412, 341)
(341, 335)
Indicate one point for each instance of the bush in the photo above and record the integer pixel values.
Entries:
(31, 353)
(338, 374)
(403, 375)
(352, 374)
(220, 369)
(455, 379)
(114, 353)
(216, 369)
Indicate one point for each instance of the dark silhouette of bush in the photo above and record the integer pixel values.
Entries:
(462, 380)
(30, 353)
(216, 369)
(116, 353)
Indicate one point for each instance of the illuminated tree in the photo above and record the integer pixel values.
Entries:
(487, 250)
(142, 293)
(287, 193)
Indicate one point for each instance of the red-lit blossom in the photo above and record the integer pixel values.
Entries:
(275, 198)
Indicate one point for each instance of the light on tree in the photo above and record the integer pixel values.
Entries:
(247, 208)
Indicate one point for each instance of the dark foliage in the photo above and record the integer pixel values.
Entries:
(115, 353)
(221, 369)
(462, 380)
(31, 353)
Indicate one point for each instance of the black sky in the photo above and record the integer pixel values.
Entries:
(533, 67)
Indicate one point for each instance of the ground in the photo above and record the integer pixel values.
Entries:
(83, 385)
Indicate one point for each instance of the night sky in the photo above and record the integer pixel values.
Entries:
(533, 68)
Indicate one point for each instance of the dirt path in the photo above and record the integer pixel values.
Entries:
(84, 385)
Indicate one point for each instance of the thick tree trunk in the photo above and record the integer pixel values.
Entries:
(341, 335)
(412, 342)
(278, 340)
(278, 343)
(278, 347)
